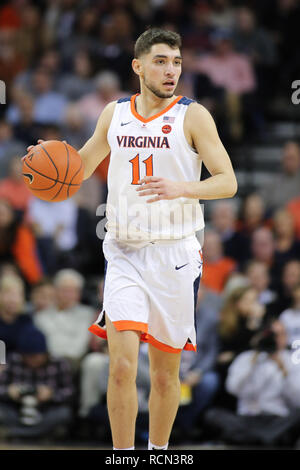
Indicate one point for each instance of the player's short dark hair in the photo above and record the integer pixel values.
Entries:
(155, 36)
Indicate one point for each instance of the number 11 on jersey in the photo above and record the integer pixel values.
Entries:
(136, 167)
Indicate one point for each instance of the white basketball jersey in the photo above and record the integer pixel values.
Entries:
(155, 146)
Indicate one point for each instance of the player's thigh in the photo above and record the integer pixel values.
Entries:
(122, 345)
(164, 366)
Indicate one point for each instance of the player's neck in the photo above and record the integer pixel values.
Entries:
(147, 103)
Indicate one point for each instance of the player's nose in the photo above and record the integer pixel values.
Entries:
(170, 72)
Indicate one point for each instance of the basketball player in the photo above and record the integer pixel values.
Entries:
(157, 142)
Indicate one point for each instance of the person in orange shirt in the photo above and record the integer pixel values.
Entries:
(17, 244)
(13, 188)
(294, 209)
(217, 267)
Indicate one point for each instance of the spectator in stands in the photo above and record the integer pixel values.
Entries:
(66, 323)
(74, 130)
(197, 371)
(289, 280)
(54, 227)
(42, 295)
(240, 318)
(107, 88)
(31, 37)
(283, 24)
(26, 130)
(222, 14)
(224, 221)
(35, 390)
(13, 188)
(113, 49)
(198, 29)
(17, 244)
(287, 247)
(266, 383)
(290, 318)
(13, 320)
(217, 266)
(259, 277)
(11, 60)
(233, 72)
(263, 249)
(251, 39)
(50, 59)
(66, 235)
(285, 185)
(49, 105)
(9, 147)
(79, 81)
(252, 214)
(294, 209)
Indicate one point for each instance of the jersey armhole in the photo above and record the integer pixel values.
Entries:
(189, 147)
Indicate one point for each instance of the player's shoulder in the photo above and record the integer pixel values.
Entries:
(197, 113)
(107, 114)
(110, 107)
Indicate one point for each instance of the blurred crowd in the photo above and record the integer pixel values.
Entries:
(62, 61)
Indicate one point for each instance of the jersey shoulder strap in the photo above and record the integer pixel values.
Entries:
(186, 101)
(123, 100)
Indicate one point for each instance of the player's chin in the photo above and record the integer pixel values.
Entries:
(165, 94)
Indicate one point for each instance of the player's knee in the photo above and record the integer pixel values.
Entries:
(122, 371)
(162, 381)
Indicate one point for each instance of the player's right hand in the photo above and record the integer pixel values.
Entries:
(40, 141)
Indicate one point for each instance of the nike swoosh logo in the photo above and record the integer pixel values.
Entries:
(179, 267)
(29, 176)
(125, 123)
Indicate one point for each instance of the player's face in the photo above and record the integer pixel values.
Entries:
(161, 69)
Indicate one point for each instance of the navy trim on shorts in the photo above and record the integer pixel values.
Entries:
(196, 288)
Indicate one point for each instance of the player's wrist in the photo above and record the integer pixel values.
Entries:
(185, 192)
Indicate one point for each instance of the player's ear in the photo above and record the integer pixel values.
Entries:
(137, 66)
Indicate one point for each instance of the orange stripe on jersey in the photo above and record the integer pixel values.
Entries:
(141, 118)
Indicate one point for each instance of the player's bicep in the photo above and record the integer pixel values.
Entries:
(208, 143)
(97, 148)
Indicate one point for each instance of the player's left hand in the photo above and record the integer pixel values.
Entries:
(162, 188)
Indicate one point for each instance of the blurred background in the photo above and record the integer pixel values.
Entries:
(62, 61)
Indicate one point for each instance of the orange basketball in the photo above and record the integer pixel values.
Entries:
(53, 170)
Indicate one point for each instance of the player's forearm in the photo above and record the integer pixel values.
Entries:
(86, 160)
(215, 187)
(90, 163)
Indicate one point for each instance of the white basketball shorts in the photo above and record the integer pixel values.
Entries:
(153, 290)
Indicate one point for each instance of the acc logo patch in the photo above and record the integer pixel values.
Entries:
(166, 129)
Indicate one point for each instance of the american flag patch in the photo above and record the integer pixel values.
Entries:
(168, 119)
